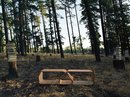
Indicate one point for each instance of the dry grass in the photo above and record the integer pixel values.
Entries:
(109, 82)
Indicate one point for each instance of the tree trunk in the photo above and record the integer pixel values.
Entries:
(93, 33)
(103, 30)
(12, 70)
(34, 43)
(51, 29)
(45, 34)
(92, 46)
(20, 28)
(12, 59)
(57, 26)
(0, 47)
(11, 36)
(73, 37)
(68, 31)
(81, 45)
(4, 19)
(25, 29)
(57, 45)
(125, 33)
(1, 36)
(15, 25)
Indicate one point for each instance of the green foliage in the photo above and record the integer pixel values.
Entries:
(117, 21)
(94, 11)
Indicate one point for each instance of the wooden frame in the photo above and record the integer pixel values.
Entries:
(70, 80)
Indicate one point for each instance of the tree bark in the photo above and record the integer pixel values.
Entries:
(103, 30)
(57, 45)
(51, 29)
(12, 70)
(20, 28)
(81, 44)
(68, 31)
(73, 37)
(57, 26)
(45, 33)
(4, 19)
(93, 33)
(125, 33)
(15, 25)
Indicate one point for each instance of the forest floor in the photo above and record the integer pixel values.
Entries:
(108, 83)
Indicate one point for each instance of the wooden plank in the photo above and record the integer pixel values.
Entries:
(82, 83)
(40, 77)
(54, 70)
(66, 81)
(77, 70)
(70, 76)
(64, 70)
(49, 82)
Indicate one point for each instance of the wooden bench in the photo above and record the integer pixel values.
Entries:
(71, 79)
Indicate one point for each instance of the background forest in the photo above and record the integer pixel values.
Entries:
(20, 23)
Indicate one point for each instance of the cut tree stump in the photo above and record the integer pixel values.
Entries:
(119, 64)
(12, 60)
(12, 70)
(38, 58)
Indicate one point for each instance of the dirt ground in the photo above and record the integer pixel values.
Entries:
(108, 83)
